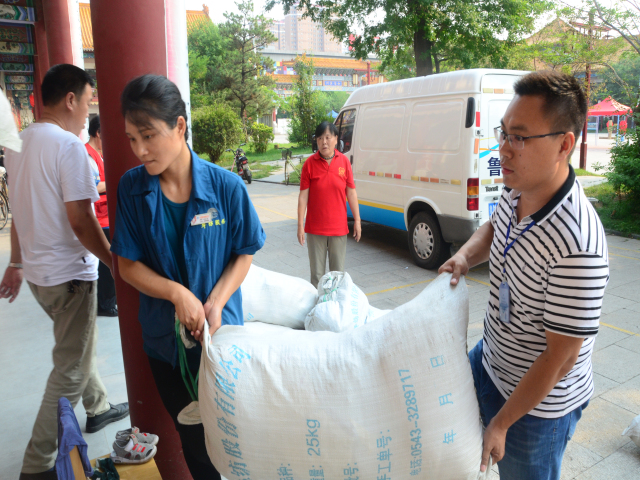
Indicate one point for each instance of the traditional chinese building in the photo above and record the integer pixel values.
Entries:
(17, 51)
(330, 74)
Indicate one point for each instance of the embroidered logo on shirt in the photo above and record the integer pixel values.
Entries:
(213, 212)
(342, 172)
(214, 222)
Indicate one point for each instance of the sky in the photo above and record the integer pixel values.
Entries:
(218, 7)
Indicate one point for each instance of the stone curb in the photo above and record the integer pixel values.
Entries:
(621, 234)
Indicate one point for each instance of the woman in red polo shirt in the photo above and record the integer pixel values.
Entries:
(325, 181)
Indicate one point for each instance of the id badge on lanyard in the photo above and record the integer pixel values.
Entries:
(504, 294)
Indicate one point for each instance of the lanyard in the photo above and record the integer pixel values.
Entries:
(509, 245)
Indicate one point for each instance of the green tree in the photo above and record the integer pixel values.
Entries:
(457, 31)
(215, 128)
(308, 108)
(261, 135)
(621, 81)
(207, 50)
(243, 67)
(332, 100)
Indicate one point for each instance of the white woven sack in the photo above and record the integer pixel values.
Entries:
(8, 131)
(341, 305)
(633, 431)
(375, 313)
(276, 298)
(394, 397)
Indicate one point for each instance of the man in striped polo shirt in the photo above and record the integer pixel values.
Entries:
(549, 267)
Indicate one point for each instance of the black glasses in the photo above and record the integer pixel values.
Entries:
(517, 141)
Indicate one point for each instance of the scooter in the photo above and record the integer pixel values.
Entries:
(242, 164)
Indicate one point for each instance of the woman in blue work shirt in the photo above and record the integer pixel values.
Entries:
(185, 235)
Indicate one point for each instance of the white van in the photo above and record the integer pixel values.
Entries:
(424, 155)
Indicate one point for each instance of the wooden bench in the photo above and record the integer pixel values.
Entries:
(145, 471)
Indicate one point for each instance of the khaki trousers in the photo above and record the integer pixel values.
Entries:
(318, 246)
(73, 308)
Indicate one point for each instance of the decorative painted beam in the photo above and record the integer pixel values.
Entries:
(15, 47)
(16, 67)
(17, 13)
(18, 78)
(16, 32)
(19, 86)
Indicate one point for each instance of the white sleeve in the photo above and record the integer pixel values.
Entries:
(76, 178)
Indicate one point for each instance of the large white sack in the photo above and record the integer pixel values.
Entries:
(341, 305)
(375, 313)
(633, 431)
(279, 403)
(276, 298)
(8, 131)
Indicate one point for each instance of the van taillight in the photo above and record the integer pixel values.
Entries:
(477, 119)
(472, 194)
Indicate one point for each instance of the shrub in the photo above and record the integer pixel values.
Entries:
(215, 128)
(624, 170)
(261, 135)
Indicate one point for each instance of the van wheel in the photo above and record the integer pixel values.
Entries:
(426, 244)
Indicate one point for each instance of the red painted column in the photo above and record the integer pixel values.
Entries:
(58, 28)
(41, 59)
(129, 40)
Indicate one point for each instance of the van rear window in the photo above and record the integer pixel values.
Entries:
(435, 127)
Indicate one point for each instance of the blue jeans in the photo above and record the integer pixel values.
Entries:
(534, 445)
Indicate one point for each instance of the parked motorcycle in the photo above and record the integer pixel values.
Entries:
(242, 164)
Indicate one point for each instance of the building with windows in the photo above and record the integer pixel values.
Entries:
(330, 74)
(302, 34)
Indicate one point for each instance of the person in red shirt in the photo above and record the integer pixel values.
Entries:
(623, 128)
(325, 181)
(106, 285)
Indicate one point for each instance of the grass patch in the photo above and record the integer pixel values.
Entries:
(270, 155)
(260, 170)
(583, 173)
(615, 213)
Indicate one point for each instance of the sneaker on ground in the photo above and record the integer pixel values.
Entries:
(148, 438)
(115, 413)
(129, 450)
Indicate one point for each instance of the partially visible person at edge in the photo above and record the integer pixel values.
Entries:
(54, 237)
(325, 180)
(549, 267)
(623, 129)
(186, 232)
(106, 284)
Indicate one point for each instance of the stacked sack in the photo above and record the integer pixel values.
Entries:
(393, 397)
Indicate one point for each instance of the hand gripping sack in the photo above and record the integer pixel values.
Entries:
(276, 298)
(341, 305)
(394, 397)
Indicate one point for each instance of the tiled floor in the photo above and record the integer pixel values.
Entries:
(380, 264)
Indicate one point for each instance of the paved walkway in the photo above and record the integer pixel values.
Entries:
(381, 265)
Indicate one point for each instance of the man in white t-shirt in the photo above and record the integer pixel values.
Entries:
(55, 239)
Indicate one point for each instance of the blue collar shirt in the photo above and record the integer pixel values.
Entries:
(140, 236)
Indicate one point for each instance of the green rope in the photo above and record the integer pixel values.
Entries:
(191, 383)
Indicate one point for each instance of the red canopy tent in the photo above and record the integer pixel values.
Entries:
(608, 107)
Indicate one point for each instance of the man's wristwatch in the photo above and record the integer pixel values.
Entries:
(15, 265)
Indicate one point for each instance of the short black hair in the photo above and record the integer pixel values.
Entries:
(94, 126)
(322, 128)
(153, 96)
(564, 99)
(62, 79)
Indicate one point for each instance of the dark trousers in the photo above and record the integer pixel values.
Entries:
(106, 284)
(175, 397)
